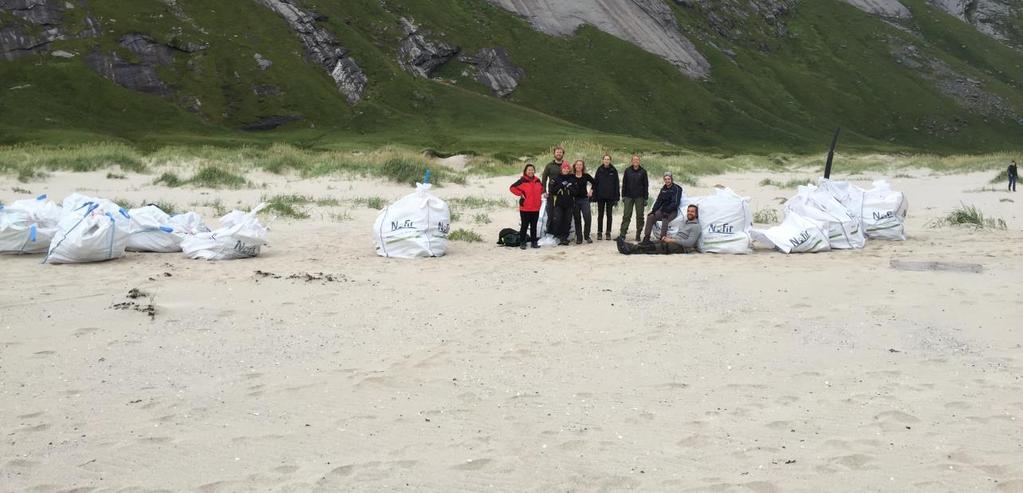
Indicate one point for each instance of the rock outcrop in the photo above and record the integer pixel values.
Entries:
(420, 56)
(39, 23)
(323, 48)
(966, 92)
(893, 9)
(649, 24)
(495, 70)
(742, 21)
(138, 75)
(994, 18)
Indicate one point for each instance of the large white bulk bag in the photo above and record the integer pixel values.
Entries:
(884, 212)
(417, 225)
(240, 235)
(150, 231)
(27, 226)
(90, 233)
(189, 223)
(847, 194)
(796, 234)
(844, 231)
(726, 221)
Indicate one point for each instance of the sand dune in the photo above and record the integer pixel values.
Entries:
(559, 369)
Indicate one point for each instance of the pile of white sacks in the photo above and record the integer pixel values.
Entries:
(838, 215)
(830, 215)
(86, 229)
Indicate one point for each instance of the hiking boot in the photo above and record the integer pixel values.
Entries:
(522, 246)
(588, 240)
(621, 246)
(534, 245)
(578, 240)
(600, 235)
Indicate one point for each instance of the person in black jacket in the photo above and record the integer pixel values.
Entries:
(606, 193)
(635, 192)
(561, 196)
(582, 213)
(665, 207)
(1013, 174)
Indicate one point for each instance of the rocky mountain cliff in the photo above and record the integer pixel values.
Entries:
(723, 74)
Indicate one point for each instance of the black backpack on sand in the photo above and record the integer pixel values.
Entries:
(509, 237)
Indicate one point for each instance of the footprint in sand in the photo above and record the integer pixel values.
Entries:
(895, 420)
(84, 331)
(44, 354)
(31, 415)
(473, 464)
(856, 462)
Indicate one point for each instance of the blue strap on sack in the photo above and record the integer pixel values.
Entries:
(91, 207)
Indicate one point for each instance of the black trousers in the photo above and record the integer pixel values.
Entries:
(562, 218)
(529, 220)
(582, 216)
(602, 207)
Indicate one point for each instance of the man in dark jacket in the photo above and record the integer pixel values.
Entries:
(552, 170)
(684, 242)
(665, 207)
(635, 192)
(1013, 173)
(606, 193)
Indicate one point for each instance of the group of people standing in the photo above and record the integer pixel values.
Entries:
(570, 189)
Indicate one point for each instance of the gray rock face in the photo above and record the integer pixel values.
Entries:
(138, 76)
(966, 92)
(884, 8)
(495, 70)
(991, 17)
(649, 24)
(264, 64)
(742, 20)
(419, 56)
(40, 22)
(323, 48)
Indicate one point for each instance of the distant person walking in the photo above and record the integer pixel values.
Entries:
(1013, 176)
(581, 212)
(530, 192)
(665, 208)
(561, 197)
(606, 193)
(635, 192)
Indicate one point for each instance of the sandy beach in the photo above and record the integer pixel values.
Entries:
(320, 366)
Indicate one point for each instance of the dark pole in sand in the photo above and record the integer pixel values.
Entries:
(831, 154)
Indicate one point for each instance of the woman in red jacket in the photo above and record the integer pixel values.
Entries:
(530, 192)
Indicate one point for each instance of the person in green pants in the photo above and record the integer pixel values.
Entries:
(635, 192)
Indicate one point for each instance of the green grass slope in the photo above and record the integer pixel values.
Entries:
(833, 68)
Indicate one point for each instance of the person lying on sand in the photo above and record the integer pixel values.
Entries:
(683, 242)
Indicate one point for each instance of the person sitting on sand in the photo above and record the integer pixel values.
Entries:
(561, 198)
(683, 242)
(665, 207)
(530, 192)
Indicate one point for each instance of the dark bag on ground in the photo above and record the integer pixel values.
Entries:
(509, 237)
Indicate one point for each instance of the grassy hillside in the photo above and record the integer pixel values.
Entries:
(834, 68)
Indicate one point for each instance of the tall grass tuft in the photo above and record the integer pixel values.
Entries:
(287, 205)
(215, 177)
(465, 235)
(969, 216)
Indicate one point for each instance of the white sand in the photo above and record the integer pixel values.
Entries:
(565, 369)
